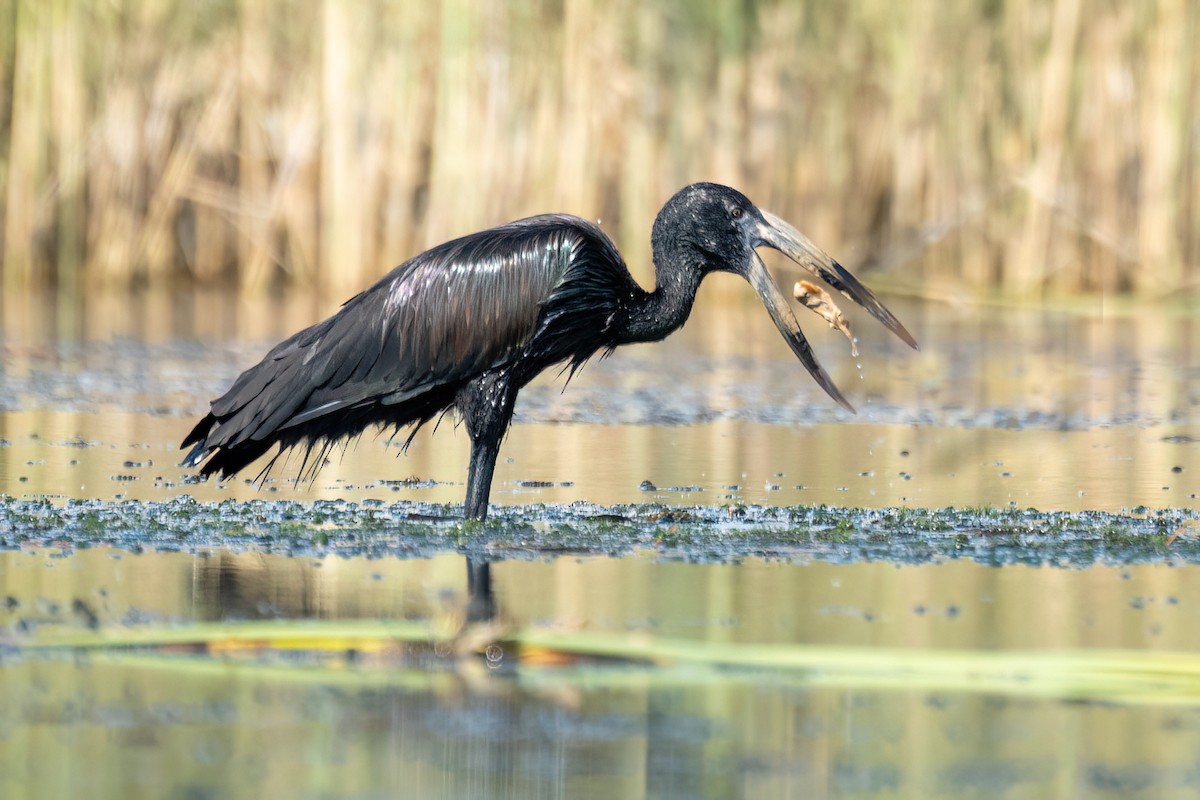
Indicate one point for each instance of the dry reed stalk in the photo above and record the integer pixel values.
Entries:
(155, 248)
(1107, 137)
(68, 107)
(342, 69)
(27, 168)
(1028, 269)
(1161, 129)
(254, 179)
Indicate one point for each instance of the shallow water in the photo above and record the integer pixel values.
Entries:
(1050, 410)
(723, 444)
(116, 454)
(222, 725)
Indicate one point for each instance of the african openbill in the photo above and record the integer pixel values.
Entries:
(469, 322)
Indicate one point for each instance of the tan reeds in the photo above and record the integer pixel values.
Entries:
(1032, 146)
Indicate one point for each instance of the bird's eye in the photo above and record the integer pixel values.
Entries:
(737, 213)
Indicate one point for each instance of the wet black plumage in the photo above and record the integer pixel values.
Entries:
(468, 323)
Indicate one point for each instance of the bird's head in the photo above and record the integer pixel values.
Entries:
(719, 228)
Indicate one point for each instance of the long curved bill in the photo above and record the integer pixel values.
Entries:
(785, 320)
(779, 234)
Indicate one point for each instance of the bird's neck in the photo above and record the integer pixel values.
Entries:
(654, 315)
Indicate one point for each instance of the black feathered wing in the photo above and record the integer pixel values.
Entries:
(396, 353)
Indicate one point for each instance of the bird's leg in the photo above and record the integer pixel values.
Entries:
(482, 604)
(487, 405)
(479, 479)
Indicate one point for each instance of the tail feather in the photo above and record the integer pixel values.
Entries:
(219, 459)
(217, 450)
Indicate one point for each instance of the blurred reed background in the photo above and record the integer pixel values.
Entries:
(1023, 146)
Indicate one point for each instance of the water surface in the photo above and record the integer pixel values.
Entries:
(1069, 411)
(1051, 410)
(230, 724)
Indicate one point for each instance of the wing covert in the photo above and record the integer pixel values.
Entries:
(442, 317)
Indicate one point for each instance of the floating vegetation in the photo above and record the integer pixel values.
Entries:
(406, 650)
(696, 533)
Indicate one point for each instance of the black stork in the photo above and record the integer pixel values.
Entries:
(468, 323)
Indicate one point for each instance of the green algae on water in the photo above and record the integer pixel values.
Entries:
(704, 533)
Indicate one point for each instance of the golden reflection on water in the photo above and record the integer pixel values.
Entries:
(955, 604)
(1053, 411)
(1050, 410)
(135, 456)
(164, 725)
(237, 733)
